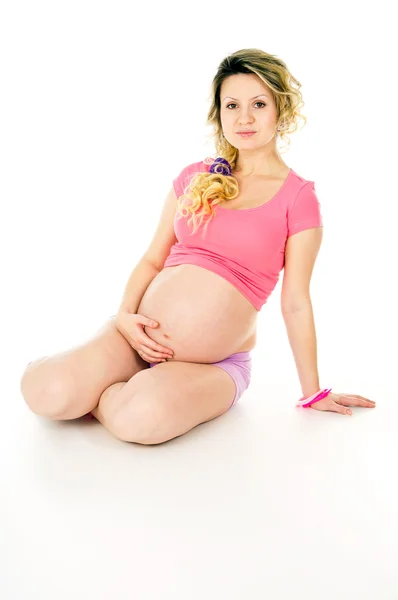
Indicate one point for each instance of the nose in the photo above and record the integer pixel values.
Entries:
(245, 117)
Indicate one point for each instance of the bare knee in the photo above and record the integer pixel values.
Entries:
(141, 427)
(45, 393)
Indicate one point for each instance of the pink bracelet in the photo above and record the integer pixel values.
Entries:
(306, 402)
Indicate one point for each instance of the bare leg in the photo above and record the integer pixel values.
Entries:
(69, 384)
(108, 405)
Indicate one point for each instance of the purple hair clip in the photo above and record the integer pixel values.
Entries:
(221, 167)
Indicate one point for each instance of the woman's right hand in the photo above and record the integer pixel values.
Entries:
(131, 326)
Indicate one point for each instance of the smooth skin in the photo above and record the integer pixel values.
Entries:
(107, 377)
(339, 402)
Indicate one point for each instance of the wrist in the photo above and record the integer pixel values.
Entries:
(306, 401)
(309, 391)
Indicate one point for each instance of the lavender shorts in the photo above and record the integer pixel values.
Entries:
(239, 366)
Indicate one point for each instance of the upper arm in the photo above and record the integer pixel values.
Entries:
(300, 254)
(305, 232)
(164, 236)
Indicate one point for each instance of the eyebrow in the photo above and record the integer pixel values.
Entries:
(250, 98)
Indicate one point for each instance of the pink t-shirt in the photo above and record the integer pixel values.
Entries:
(246, 246)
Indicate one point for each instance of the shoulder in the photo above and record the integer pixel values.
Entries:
(299, 182)
(300, 188)
(182, 179)
(197, 167)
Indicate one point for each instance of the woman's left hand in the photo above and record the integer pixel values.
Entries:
(339, 402)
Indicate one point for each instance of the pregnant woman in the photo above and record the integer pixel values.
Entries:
(177, 353)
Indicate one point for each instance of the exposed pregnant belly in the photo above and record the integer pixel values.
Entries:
(202, 317)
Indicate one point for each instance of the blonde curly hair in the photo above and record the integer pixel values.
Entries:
(206, 189)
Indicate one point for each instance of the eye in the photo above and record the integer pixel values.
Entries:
(233, 104)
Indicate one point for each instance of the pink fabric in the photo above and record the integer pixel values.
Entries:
(247, 246)
(239, 366)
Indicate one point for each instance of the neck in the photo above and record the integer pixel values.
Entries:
(266, 165)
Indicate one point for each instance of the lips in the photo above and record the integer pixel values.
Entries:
(248, 131)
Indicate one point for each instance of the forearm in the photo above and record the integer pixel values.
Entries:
(300, 328)
(137, 285)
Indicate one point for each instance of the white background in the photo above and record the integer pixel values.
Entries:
(101, 106)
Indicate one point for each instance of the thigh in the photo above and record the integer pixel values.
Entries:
(239, 367)
(171, 398)
(69, 384)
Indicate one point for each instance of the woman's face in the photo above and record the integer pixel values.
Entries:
(246, 103)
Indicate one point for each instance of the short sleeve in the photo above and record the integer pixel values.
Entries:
(305, 212)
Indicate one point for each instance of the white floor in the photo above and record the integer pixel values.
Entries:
(266, 502)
